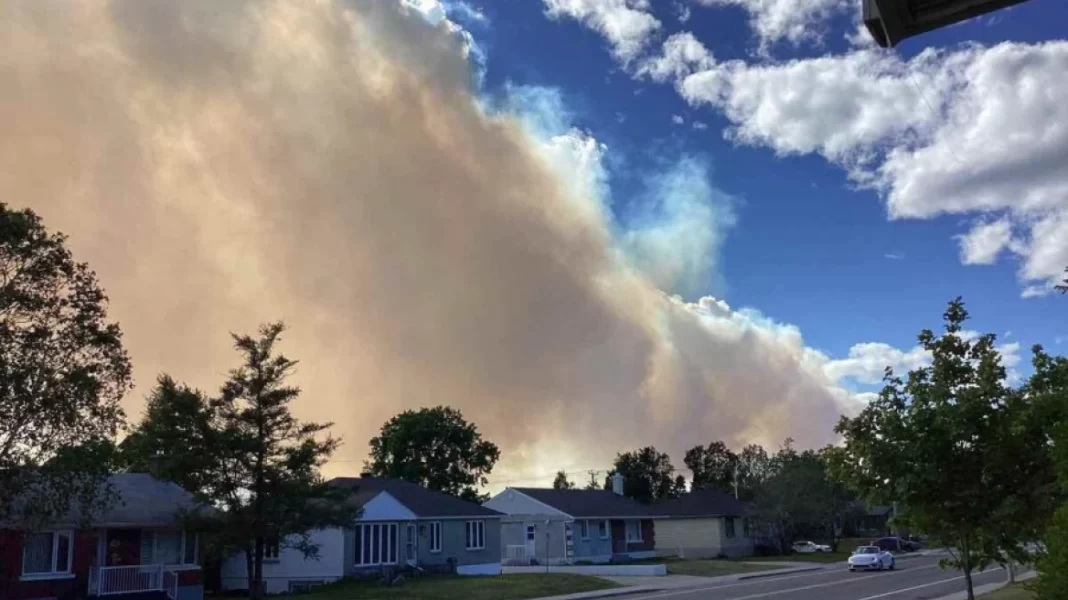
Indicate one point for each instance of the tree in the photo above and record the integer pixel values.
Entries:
(713, 466)
(957, 447)
(754, 468)
(561, 482)
(63, 373)
(244, 453)
(436, 448)
(679, 488)
(179, 424)
(1048, 389)
(648, 475)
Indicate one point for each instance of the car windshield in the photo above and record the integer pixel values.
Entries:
(867, 550)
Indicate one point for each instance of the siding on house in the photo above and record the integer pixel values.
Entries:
(593, 546)
(549, 542)
(700, 538)
(291, 565)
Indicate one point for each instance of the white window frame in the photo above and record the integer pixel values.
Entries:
(185, 535)
(387, 540)
(475, 538)
(435, 537)
(638, 528)
(729, 527)
(584, 529)
(52, 573)
(276, 546)
(604, 529)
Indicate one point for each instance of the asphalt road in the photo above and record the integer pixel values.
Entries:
(913, 579)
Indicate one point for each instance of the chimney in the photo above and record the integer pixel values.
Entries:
(617, 483)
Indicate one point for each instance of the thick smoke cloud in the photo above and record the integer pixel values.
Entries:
(222, 164)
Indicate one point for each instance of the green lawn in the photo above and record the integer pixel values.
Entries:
(711, 567)
(505, 587)
(1012, 592)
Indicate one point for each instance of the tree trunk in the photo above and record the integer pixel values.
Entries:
(966, 565)
(249, 568)
(258, 566)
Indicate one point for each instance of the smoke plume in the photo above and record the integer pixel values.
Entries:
(223, 164)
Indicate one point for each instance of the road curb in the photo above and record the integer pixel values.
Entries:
(781, 572)
(990, 587)
(613, 593)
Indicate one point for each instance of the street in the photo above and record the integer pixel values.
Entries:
(914, 579)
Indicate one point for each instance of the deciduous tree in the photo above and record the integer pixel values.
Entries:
(561, 482)
(956, 445)
(436, 448)
(63, 372)
(648, 475)
(713, 466)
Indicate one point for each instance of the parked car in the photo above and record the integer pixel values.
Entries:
(894, 544)
(809, 547)
(870, 557)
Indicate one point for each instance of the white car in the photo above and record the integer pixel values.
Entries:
(809, 547)
(871, 557)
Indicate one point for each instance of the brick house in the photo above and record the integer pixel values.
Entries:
(137, 546)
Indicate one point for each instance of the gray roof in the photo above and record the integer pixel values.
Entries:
(703, 503)
(145, 500)
(591, 503)
(421, 501)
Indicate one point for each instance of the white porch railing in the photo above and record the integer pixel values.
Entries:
(517, 555)
(130, 579)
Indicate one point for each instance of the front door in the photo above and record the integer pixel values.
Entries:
(530, 537)
(411, 547)
(122, 547)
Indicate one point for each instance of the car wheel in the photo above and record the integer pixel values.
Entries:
(880, 566)
(851, 569)
(892, 563)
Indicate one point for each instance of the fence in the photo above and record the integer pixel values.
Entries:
(130, 579)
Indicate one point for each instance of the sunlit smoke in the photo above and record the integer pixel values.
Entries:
(222, 164)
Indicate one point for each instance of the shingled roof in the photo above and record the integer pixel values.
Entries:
(703, 503)
(418, 499)
(587, 504)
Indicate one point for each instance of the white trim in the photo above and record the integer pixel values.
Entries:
(388, 553)
(484, 569)
(435, 548)
(475, 535)
(552, 509)
(607, 535)
(52, 573)
(46, 576)
(584, 529)
(626, 531)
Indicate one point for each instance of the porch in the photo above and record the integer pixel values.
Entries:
(160, 562)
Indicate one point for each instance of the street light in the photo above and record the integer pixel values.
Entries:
(890, 21)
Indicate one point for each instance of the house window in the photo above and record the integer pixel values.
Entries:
(584, 530)
(745, 527)
(728, 525)
(634, 531)
(602, 529)
(168, 547)
(435, 536)
(376, 544)
(47, 553)
(272, 548)
(476, 535)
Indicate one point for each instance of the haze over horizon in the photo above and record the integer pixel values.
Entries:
(427, 237)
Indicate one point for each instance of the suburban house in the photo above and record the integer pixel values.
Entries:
(550, 526)
(703, 523)
(137, 546)
(401, 525)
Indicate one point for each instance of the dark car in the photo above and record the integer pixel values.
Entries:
(894, 544)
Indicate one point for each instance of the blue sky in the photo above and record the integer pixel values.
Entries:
(809, 247)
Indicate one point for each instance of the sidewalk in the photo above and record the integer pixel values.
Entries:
(990, 587)
(647, 585)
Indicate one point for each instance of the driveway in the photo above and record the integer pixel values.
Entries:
(914, 579)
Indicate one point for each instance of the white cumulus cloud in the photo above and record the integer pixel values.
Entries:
(793, 21)
(984, 242)
(626, 24)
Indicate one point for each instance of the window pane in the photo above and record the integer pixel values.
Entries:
(190, 557)
(37, 553)
(168, 547)
(392, 543)
(62, 552)
(376, 543)
(359, 545)
(467, 535)
(481, 534)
